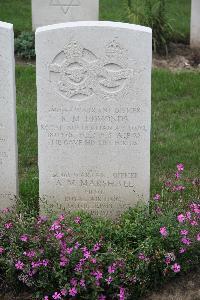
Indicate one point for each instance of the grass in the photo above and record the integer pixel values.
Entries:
(175, 126)
(18, 12)
(27, 133)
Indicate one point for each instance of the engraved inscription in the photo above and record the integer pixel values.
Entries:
(78, 73)
(92, 126)
(65, 5)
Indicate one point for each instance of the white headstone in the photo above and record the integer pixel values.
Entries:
(94, 112)
(47, 12)
(195, 24)
(8, 143)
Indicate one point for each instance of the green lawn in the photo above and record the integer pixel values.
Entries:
(18, 12)
(175, 126)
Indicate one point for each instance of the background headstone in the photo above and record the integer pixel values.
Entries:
(195, 24)
(94, 111)
(47, 12)
(8, 143)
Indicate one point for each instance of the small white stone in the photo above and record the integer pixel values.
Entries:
(47, 12)
(195, 24)
(8, 143)
(94, 115)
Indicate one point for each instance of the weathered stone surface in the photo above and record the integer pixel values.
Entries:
(8, 144)
(94, 111)
(195, 24)
(47, 12)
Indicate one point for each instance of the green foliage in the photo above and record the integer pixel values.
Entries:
(25, 45)
(156, 18)
(154, 15)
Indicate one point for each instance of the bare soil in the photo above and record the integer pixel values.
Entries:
(181, 288)
(180, 57)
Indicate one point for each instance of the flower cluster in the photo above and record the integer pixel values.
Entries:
(79, 257)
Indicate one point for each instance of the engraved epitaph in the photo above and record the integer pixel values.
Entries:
(8, 149)
(195, 24)
(47, 12)
(94, 107)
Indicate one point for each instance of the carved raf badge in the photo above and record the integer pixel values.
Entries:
(78, 74)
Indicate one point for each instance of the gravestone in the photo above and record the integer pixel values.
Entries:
(47, 12)
(94, 111)
(195, 24)
(8, 148)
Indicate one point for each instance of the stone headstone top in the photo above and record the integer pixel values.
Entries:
(47, 12)
(8, 143)
(94, 115)
(195, 24)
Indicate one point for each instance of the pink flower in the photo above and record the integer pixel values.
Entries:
(158, 210)
(73, 292)
(169, 257)
(156, 197)
(61, 218)
(198, 237)
(55, 226)
(24, 238)
(184, 232)
(5, 210)
(141, 256)
(96, 247)
(69, 250)
(98, 275)
(195, 208)
(36, 264)
(87, 254)
(168, 183)
(2, 250)
(19, 265)
(181, 218)
(42, 219)
(109, 280)
(186, 241)
(194, 223)
(8, 225)
(102, 297)
(176, 268)
(63, 292)
(188, 215)
(122, 294)
(82, 282)
(163, 231)
(111, 269)
(73, 282)
(56, 295)
(180, 167)
(179, 188)
(77, 220)
(59, 235)
(93, 260)
(45, 262)
(46, 298)
(177, 175)
(167, 260)
(182, 250)
(77, 245)
(64, 261)
(30, 253)
(78, 268)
